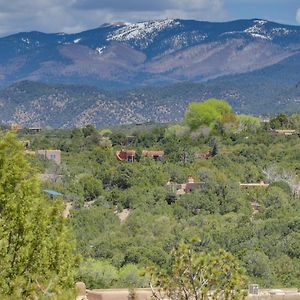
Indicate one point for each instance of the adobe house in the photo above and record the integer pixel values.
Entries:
(156, 155)
(187, 187)
(253, 185)
(126, 155)
(191, 185)
(54, 155)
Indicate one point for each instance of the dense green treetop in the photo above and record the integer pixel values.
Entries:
(206, 113)
(36, 248)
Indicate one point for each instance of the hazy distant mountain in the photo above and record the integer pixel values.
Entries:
(154, 52)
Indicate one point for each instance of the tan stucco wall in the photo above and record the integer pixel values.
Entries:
(145, 294)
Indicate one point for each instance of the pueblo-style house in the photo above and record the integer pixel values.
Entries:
(187, 187)
(54, 155)
(156, 155)
(130, 155)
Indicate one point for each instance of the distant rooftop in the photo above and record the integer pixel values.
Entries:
(53, 193)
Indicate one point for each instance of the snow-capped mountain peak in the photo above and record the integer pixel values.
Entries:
(261, 29)
(168, 50)
(258, 30)
(142, 31)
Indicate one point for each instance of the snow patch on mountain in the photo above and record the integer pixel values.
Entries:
(143, 33)
(281, 31)
(258, 30)
(25, 40)
(99, 50)
(77, 41)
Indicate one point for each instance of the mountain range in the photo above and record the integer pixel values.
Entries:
(123, 55)
(133, 73)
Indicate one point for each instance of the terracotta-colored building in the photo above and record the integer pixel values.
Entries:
(126, 155)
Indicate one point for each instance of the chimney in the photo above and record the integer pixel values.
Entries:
(190, 179)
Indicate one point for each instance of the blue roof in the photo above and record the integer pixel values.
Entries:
(53, 193)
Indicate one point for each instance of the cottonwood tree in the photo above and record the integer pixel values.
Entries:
(36, 250)
(206, 113)
(195, 276)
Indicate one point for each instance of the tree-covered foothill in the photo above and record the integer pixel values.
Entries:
(126, 218)
(37, 252)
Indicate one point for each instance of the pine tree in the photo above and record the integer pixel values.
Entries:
(214, 148)
(36, 250)
(199, 275)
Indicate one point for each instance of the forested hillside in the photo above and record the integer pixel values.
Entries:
(129, 215)
(263, 92)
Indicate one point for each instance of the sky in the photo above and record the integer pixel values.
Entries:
(78, 15)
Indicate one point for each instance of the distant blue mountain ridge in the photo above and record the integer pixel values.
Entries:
(123, 55)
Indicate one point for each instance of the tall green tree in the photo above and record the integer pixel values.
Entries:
(206, 113)
(36, 252)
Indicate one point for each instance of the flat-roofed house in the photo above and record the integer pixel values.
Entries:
(191, 185)
(187, 187)
(54, 155)
(156, 155)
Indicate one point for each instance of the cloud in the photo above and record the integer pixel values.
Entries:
(76, 15)
(137, 10)
(145, 6)
(117, 5)
(298, 16)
